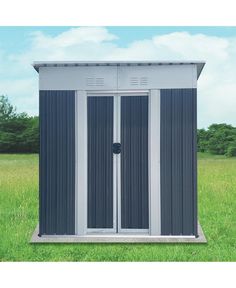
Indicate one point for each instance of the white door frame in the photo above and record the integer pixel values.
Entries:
(114, 229)
(153, 159)
(127, 230)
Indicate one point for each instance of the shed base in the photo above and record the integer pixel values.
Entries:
(111, 238)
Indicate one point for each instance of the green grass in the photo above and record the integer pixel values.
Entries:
(19, 216)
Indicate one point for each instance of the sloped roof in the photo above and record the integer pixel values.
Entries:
(37, 64)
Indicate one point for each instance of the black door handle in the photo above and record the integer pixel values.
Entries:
(116, 148)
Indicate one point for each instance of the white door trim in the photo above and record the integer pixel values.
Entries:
(153, 159)
(116, 157)
(154, 163)
(117, 92)
(114, 229)
(129, 230)
(81, 162)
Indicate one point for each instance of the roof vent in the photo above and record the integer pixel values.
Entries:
(135, 81)
(95, 81)
(99, 81)
(143, 81)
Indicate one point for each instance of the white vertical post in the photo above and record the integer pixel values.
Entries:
(154, 163)
(81, 163)
(116, 164)
(118, 156)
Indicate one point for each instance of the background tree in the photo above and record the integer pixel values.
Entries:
(202, 140)
(218, 139)
(221, 136)
(6, 109)
(231, 151)
(19, 133)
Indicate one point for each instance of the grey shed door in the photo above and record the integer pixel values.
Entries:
(100, 162)
(130, 117)
(134, 162)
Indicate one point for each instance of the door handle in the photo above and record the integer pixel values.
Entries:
(116, 148)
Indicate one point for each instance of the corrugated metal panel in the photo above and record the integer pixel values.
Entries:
(194, 133)
(178, 162)
(100, 162)
(134, 162)
(57, 162)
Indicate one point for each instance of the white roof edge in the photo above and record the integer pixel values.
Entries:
(37, 64)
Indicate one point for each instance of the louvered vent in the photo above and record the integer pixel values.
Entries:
(135, 81)
(143, 81)
(90, 81)
(95, 81)
(99, 81)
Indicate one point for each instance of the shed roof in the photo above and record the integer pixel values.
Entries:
(37, 64)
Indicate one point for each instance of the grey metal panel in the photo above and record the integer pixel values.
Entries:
(78, 78)
(157, 77)
(93, 78)
(134, 162)
(100, 162)
(194, 132)
(188, 164)
(165, 162)
(178, 162)
(57, 162)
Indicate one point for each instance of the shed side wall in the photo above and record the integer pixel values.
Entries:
(178, 162)
(57, 162)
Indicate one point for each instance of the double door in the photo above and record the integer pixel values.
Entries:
(117, 135)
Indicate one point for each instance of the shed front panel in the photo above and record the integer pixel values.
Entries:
(57, 162)
(178, 162)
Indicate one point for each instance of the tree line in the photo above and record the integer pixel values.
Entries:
(219, 139)
(19, 133)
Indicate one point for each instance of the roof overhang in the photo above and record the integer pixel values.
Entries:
(38, 64)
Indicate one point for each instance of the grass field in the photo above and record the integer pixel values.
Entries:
(19, 216)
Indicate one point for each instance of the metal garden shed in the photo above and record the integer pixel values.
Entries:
(118, 150)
